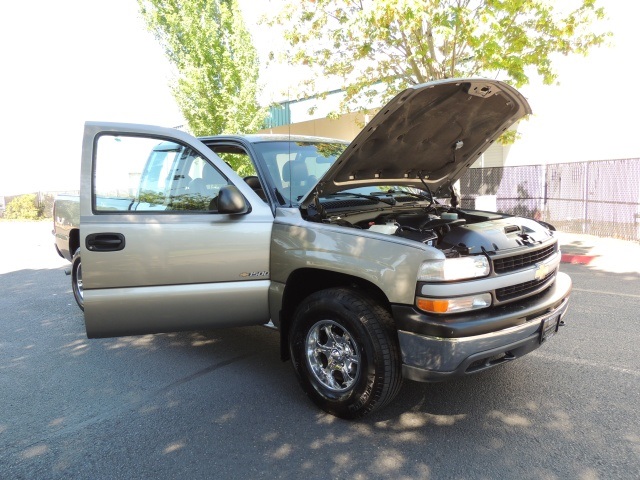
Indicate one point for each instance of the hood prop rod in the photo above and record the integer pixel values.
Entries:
(422, 176)
(454, 196)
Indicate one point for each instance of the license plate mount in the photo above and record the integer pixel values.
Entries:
(549, 327)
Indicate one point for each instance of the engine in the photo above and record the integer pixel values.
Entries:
(461, 232)
(428, 228)
(456, 232)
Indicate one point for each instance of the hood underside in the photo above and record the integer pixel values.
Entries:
(434, 131)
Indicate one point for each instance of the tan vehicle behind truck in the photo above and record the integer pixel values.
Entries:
(342, 247)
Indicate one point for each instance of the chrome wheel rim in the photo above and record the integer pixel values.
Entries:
(79, 281)
(333, 356)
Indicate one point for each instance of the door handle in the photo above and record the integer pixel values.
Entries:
(105, 242)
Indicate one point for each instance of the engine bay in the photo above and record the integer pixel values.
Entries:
(456, 232)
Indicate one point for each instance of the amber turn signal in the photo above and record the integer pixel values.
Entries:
(454, 305)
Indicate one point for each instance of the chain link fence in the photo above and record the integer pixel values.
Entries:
(599, 198)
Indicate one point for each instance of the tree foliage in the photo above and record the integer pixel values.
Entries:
(396, 43)
(216, 62)
(23, 207)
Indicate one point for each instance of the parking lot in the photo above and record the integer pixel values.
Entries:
(221, 404)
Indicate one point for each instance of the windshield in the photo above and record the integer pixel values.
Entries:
(295, 167)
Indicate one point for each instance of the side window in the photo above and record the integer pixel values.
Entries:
(239, 160)
(145, 175)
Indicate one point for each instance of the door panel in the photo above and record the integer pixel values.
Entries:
(156, 254)
(174, 250)
(140, 310)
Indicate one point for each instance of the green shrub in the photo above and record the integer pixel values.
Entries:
(46, 205)
(23, 207)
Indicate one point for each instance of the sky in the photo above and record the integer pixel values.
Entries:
(68, 61)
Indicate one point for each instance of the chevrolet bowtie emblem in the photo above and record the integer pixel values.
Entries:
(542, 270)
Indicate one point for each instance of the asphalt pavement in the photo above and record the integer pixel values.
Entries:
(222, 405)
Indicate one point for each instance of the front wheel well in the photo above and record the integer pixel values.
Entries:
(306, 281)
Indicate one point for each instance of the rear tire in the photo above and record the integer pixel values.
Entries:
(76, 279)
(345, 352)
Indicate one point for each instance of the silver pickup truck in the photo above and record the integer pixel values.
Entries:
(343, 247)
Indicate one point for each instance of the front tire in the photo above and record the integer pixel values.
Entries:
(76, 279)
(345, 352)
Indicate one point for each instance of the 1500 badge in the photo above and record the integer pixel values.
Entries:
(254, 274)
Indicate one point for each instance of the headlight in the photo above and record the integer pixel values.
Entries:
(454, 305)
(454, 269)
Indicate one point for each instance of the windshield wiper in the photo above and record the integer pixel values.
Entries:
(389, 201)
(412, 194)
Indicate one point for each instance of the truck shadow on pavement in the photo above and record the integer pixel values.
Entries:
(221, 404)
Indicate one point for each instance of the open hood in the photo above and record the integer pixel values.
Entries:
(434, 131)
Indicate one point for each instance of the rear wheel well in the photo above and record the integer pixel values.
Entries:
(74, 241)
(305, 281)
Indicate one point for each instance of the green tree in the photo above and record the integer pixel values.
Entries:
(23, 207)
(216, 63)
(366, 44)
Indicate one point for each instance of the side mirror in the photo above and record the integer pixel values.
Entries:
(231, 201)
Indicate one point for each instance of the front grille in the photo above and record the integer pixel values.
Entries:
(516, 262)
(514, 291)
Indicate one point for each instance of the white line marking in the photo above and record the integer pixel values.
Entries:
(587, 363)
(606, 293)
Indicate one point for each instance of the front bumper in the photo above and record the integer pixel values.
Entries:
(435, 348)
